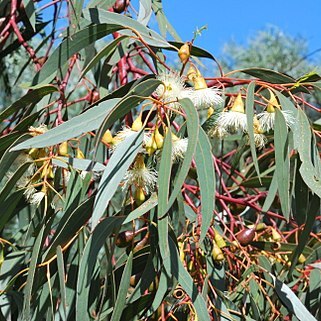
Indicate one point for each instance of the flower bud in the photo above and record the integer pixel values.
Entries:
(199, 83)
(120, 6)
(151, 146)
(107, 137)
(301, 259)
(193, 73)
(47, 172)
(238, 104)
(134, 279)
(139, 196)
(33, 153)
(217, 253)
(273, 103)
(79, 154)
(276, 235)
(159, 139)
(63, 149)
(137, 124)
(210, 112)
(181, 251)
(184, 53)
(246, 236)
(219, 240)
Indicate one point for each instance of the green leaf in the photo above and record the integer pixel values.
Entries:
(69, 226)
(186, 281)
(36, 249)
(291, 301)
(163, 23)
(107, 112)
(192, 122)
(88, 121)
(62, 280)
(99, 16)
(98, 3)
(269, 75)
(304, 236)
(250, 129)
(9, 207)
(75, 8)
(70, 46)
(145, 11)
(8, 157)
(116, 168)
(88, 262)
(122, 290)
(282, 161)
(11, 183)
(106, 51)
(77, 163)
(257, 182)
(206, 180)
(163, 182)
(142, 209)
(31, 97)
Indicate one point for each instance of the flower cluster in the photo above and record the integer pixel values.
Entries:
(234, 120)
(38, 180)
(173, 88)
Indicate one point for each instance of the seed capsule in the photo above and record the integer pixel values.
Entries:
(124, 239)
(246, 236)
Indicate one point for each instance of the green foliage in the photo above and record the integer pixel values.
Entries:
(120, 200)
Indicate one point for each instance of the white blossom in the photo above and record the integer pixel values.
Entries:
(36, 198)
(267, 119)
(232, 121)
(179, 147)
(141, 176)
(171, 89)
(204, 98)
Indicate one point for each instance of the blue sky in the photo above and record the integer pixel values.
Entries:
(239, 20)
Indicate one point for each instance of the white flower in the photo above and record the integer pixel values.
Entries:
(267, 119)
(259, 139)
(141, 176)
(218, 131)
(125, 133)
(179, 147)
(29, 192)
(232, 121)
(36, 198)
(171, 89)
(204, 98)
(35, 131)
